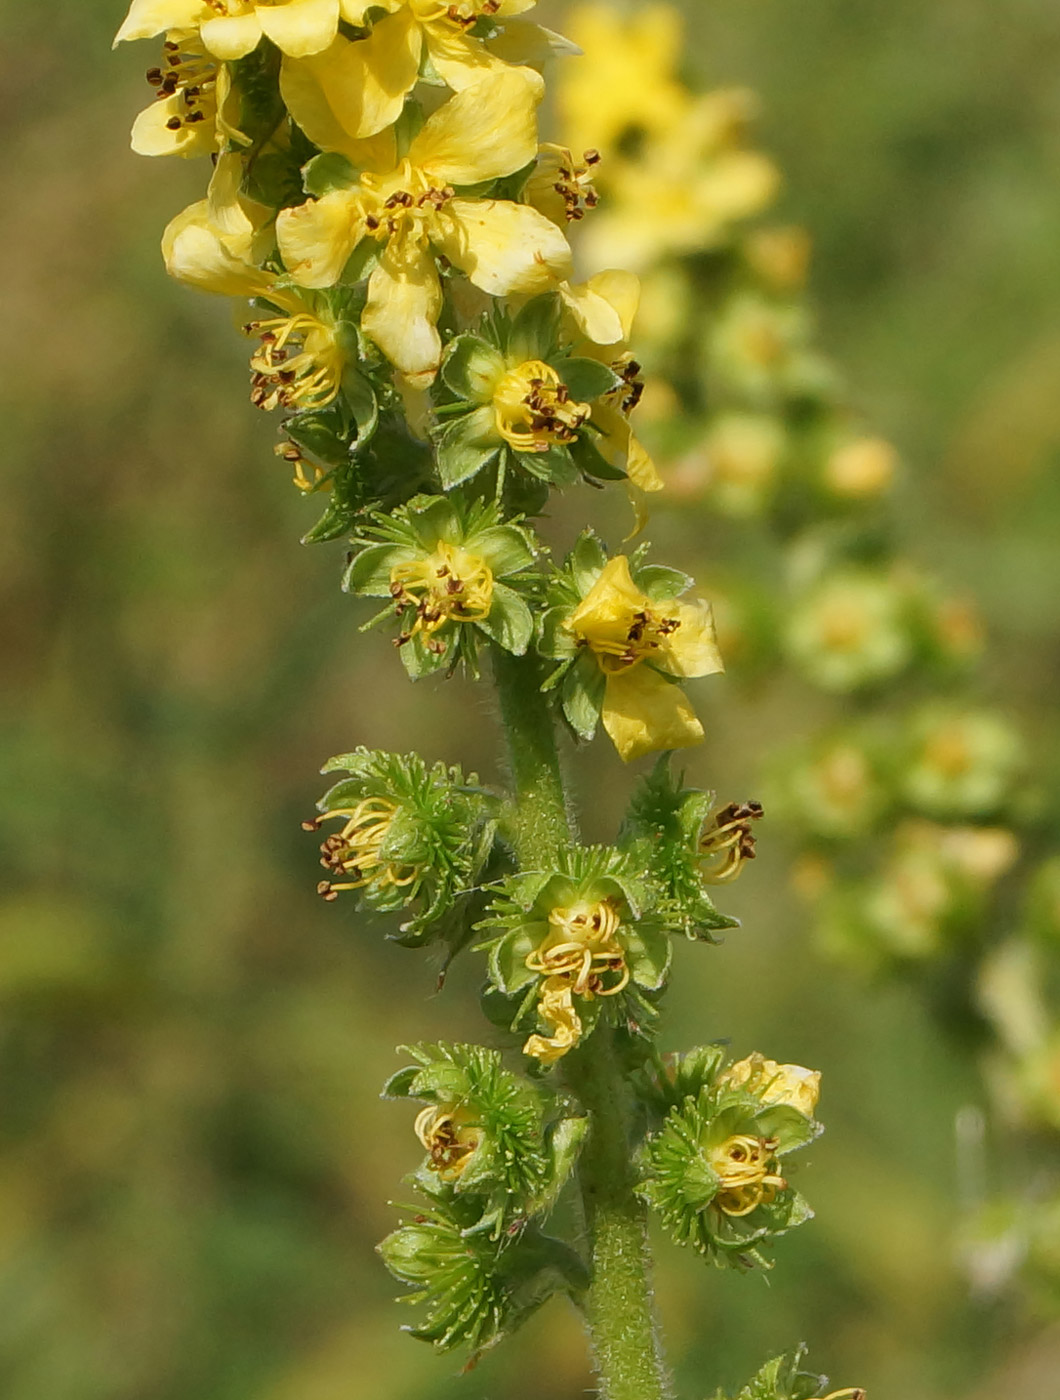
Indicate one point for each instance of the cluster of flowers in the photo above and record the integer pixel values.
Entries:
(380, 197)
(908, 818)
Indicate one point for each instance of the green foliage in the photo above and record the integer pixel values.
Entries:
(783, 1379)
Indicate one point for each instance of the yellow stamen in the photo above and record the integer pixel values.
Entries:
(743, 1166)
(188, 73)
(580, 949)
(533, 408)
(355, 850)
(462, 15)
(299, 364)
(449, 585)
(450, 1136)
(320, 480)
(729, 836)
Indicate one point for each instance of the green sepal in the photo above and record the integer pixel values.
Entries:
(554, 639)
(582, 696)
(591, 462)
(649, 952)
(586, 561)
(534, 331)
(472, 367)
(510, 623)
(661, 583)
(465, 446)
(782, 1379)
(368, 572)
(587, 379)
(327, 172)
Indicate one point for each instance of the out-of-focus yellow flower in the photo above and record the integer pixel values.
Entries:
(964, 762)
(850, 630)
(861, 468)
(354, 88)
(780, 257)
(637, 644)
(626, 86)
(232, 28)
(683, 191)
(774, 1083)
(410, 208)
(738, 461)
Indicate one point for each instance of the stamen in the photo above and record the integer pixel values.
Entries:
(728, 840)
(450, 1138)
(356, 850)
(299, 364)
(743, 1165)
(533, 408)
(450, 585)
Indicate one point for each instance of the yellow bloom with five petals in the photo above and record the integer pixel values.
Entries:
(637, 643)
(411, 209)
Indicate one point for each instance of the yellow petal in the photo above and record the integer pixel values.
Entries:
(300, 27)
(458, 58)
(593, 314)
(640, 468)
(152, 137)
(231, 36)
(605, 612)
(484, 132)
(404, 302)
(354, 11)
(146, 18)
(643, 713)
(506, 249)
(317, 238)
(691, 650)
(353, 90)
(196, 253)
(621, 289)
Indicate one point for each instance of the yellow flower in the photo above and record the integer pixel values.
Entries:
(626, 84)
(194, 90)
(746, 1168)
(449, 585)
(230, 29)
(791, 1085)
(355, 88)
(355, 852)
(532, 408)
(579, 950)
(411, 210)
(215, 245)
(634, 640)
(451, 1135)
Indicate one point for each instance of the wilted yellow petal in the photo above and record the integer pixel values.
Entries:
(317, 238)
(146, 18)
(353, 89)
(300, 27)
(506, 249)
(231, 36)
(196, 252)
(484, 132)
(404, 302)
(643, 713)
(691, 650)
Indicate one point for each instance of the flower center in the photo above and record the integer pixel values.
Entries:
(625, 638)
(462, 15)
(533, 408)
(449, 585)
(744, 1166)
(450, 1136)
(299, 364)
(581, 944)
(188, 73)
(401, 201)
(355, 851)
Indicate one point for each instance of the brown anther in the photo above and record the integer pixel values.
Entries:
(174, 124)
(314, 825)
(592, 156)
(371, 223)
(326, 892)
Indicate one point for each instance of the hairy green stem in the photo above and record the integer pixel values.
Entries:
(619, 1310)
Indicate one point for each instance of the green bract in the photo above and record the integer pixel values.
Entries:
(783, 1379)
(441, 559)
(514, 395)
(474, 1290)
(493, 1136)
(413, 835)
(712, 1172)
(662, 833)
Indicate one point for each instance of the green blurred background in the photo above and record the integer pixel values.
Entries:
(195, 1163)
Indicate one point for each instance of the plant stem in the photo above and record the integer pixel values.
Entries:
(618, 1305)
(541, 821)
